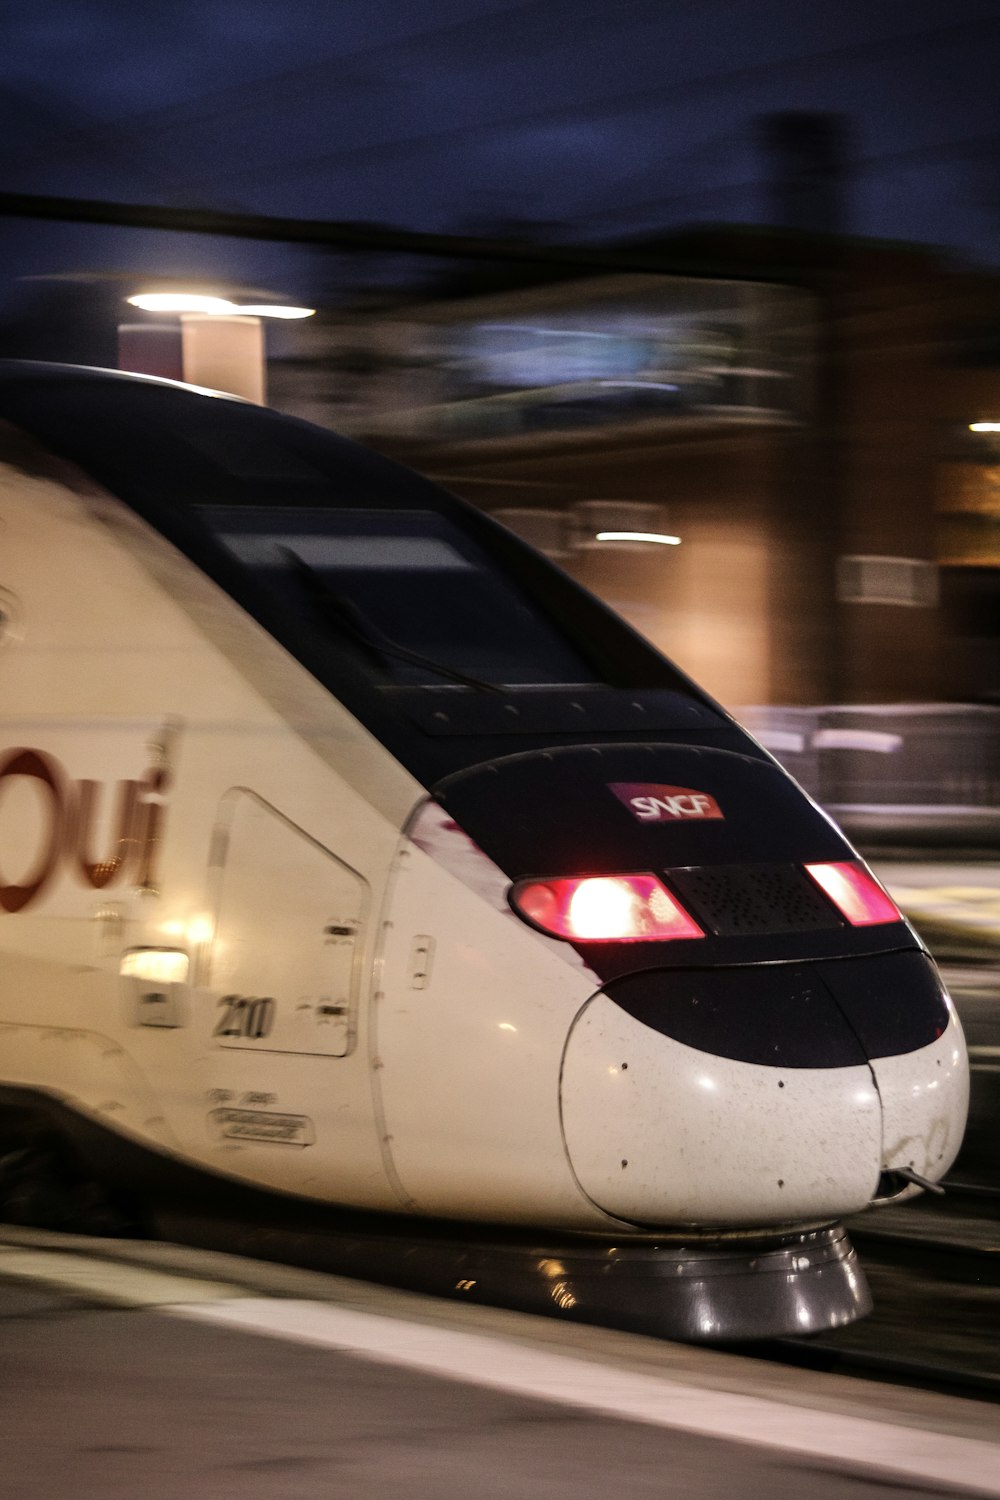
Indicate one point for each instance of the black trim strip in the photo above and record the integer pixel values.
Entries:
(819, 1015)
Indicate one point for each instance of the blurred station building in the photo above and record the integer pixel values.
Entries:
(792, 411)
(798, 415)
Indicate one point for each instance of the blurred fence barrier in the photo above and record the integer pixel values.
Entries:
(911, 773)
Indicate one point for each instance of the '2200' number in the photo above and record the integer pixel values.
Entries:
(245, 1016)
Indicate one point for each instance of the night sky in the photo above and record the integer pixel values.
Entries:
(567, 118)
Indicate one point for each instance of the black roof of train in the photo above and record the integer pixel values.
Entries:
(69, 407)
(164, 448)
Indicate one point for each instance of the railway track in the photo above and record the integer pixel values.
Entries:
(925, 1374)
(934, 1269)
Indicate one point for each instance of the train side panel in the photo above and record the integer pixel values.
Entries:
(171, 781)
(925, 1103)
(472, 1015)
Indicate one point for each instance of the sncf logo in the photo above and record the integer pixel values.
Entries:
(653, 803)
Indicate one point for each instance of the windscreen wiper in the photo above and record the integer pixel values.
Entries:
(368, 636)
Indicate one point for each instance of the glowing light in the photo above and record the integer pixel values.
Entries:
(267, 310)
(181, 302)
(855, 893)
(984, 426)
(601, 908)
(604, 908)
(156, 965)
(505, 1026)
(197, 302)
(639, 536)
(199, 930)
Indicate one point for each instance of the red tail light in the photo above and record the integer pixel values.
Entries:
(604, 909)
(855, 893)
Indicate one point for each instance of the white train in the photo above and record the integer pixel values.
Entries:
(370, 894)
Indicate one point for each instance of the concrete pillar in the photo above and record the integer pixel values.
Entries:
(224, 354)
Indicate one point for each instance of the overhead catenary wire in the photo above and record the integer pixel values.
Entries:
(621, 101)
(964, 149)
(265, 91)
(243, 98)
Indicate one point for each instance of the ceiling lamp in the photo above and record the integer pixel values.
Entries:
(181, 302)
(619, 524)
(214, 307)
(266, 310)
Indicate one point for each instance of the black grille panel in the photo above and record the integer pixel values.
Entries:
(739, 899)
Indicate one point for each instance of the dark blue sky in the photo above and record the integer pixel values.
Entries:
(603, 118)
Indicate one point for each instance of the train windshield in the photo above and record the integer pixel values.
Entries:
(408, 587)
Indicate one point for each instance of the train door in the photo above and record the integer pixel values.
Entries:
(288, 920)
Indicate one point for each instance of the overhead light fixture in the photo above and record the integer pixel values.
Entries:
(265, 310)
(181, 302)
(984, 426)
(638, 536)
(195, 302)
(622, 524)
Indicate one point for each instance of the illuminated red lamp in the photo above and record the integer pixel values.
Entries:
(604, 909)
(855, 893)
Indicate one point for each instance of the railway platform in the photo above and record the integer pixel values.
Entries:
(142, 1369)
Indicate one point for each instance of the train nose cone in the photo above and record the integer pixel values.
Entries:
(658, 1130)
(925, 1103)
